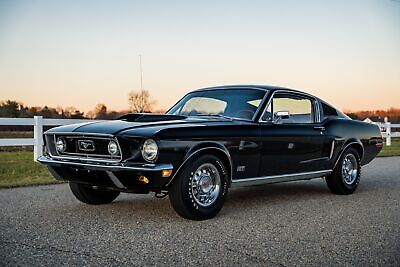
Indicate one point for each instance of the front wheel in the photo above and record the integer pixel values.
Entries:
(89, 195)
(199, 191)
(346, 175)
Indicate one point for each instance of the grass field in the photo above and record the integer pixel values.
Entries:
(393, 150)
(16, 134)
(17, 168)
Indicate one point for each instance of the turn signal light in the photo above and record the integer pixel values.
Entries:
(166, 173)
(143, 179)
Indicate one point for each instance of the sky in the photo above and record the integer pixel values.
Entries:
(81, 53)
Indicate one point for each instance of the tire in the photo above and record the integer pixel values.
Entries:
(199, 191)
(87, 194)
(343, 181)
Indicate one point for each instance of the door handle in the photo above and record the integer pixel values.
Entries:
(319, 128)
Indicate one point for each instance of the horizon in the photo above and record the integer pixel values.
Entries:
(156, 109)
(66, 53)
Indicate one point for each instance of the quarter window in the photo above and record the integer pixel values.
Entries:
(328, 110)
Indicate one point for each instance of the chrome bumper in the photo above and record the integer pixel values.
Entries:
(111, 167)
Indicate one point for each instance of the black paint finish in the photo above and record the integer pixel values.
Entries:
(248, 148)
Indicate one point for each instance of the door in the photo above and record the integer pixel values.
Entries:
(292, 138)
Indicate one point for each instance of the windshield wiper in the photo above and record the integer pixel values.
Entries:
(214, 115)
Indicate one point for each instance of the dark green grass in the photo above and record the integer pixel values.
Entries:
(393, 150)
(18, 169)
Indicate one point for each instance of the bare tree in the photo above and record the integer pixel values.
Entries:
(140, 101)
(100, 108)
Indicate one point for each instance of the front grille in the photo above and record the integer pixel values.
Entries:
(86, 147)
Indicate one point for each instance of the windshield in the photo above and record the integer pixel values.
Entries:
(234, 103)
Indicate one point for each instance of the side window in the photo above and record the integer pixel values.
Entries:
(288, 108)
(328, 111)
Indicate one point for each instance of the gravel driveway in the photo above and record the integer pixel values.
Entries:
(297, 223)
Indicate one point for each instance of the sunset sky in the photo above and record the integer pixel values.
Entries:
(80, 53)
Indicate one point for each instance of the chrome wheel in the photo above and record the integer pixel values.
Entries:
(205, 184)
(349, 169)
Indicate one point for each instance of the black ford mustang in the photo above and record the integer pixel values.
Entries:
(213, 139)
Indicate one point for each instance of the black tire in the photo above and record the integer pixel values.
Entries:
(182, 193)
(337, 182)
(87, 194)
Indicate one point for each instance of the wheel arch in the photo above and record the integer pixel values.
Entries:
(356, 144)
(203, 149)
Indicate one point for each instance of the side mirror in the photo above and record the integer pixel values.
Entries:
(281, 115)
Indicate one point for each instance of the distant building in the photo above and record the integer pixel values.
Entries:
(369, 120)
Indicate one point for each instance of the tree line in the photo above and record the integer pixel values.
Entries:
(393, 115)
(139, 102)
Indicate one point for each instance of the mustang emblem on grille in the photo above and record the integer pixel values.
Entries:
(86, 145)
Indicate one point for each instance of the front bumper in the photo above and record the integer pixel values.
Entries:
(122, 176)
(107, 166)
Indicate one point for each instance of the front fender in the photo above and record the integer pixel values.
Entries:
(207, 148)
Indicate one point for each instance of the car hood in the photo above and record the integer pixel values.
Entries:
(141, 122)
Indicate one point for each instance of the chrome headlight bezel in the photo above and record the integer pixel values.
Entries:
(61, 145)
(113, 148)
(149, 150)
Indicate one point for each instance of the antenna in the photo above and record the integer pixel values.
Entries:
(141, 72)
(141, 83)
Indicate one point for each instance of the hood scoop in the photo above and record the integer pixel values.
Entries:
(149, 117)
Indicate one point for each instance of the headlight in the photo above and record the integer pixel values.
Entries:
(61, 145)
(113, 148)
(150, 150)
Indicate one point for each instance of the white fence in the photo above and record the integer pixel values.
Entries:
(387, 133)
(38, 122)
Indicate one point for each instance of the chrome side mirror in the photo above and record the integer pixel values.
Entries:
(281, 115)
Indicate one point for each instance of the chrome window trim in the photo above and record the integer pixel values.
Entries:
(280, 178)
(317, 115)
(260, 105)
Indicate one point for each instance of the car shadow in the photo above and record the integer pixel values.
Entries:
(147, 207)
(277, 192)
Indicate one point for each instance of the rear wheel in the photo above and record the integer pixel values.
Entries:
(199, 191)
(346, 175)
(89, 195)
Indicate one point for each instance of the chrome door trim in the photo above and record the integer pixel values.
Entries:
(313, 160)
(280, 178)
